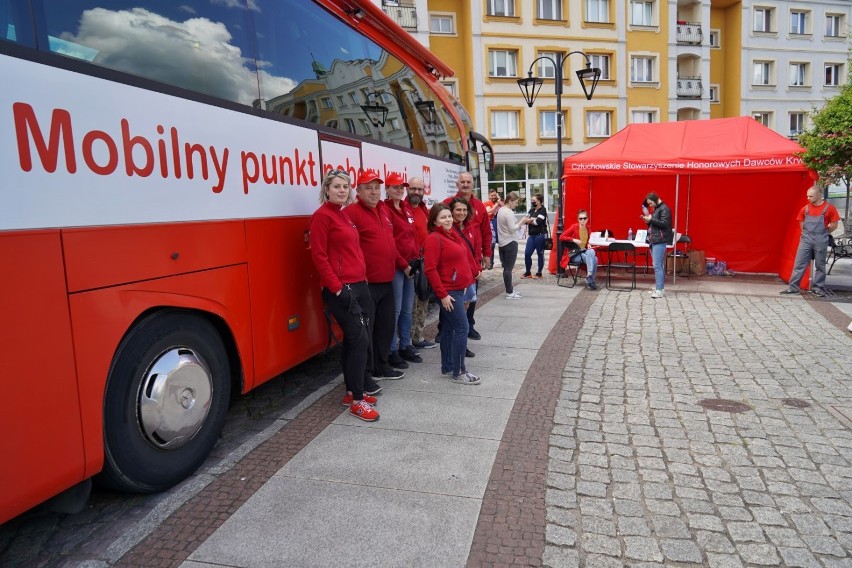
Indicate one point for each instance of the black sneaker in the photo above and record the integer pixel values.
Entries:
(473, 334)
(425, 344)
(592, 286)
(410, 355)
(469, 353)
(818, 292)
(395, 361)
(371, 387)
(388, 374)
(788, 291)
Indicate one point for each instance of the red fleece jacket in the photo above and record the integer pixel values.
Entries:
(376, 232)
(480, 222)
(403, 229)
(336, 248)
(446, 262)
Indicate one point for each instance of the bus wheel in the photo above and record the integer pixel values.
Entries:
(165, 403)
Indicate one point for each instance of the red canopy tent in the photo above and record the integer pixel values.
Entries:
(733, 185)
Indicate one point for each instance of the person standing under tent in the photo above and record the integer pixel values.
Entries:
(818, 218)
(659, 236)
(336, 253)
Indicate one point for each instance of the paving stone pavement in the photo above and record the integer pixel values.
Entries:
(639, 474)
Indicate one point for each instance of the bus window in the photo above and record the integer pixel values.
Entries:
(333, 73)
(198, 45)
(16, 22)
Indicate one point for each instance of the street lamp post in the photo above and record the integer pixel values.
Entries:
(530, 87)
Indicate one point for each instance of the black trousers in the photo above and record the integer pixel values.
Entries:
(351, 309)
(382, 324)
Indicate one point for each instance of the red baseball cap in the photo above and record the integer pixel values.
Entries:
(369, 175)
(395, 178)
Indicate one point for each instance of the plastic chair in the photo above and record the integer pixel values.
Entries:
(629, 252)
(572, 268)
(686, 242)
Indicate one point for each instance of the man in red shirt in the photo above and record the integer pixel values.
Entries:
(818, 218)
(375, 230)
(416, 188)
(480, 222)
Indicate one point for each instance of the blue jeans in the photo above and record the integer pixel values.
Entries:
(591, 261)
(403, 301)
(658, 256)
(454, 330)
(534, 243)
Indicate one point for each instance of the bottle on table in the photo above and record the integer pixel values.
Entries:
(629, 234)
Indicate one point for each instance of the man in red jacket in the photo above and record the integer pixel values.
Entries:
(416, 187)
(479, 222)
(375, 230)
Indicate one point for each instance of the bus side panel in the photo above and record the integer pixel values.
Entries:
(284, 285)
(100, 318)
(41, 446)
(105, 256)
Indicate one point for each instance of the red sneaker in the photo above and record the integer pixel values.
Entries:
(347, 399)
(364, 411)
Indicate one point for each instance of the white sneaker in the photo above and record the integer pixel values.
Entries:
(658, 294)
(513, 296)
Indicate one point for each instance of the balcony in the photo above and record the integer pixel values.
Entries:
(689, 88)
(402, 14)
(688, 33)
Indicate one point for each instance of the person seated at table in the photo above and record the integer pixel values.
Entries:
(579, 233)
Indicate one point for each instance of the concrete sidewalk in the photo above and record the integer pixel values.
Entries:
(406, 490)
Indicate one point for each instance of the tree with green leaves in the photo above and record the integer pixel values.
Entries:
(828, 144)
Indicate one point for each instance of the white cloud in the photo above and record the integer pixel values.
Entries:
(196, 54)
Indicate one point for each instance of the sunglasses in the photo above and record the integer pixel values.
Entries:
(582, 218)
(337, 173)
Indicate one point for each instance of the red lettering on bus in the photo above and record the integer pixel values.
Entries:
(89, 157)
(247, 157)
(60, 125)
(129, 143)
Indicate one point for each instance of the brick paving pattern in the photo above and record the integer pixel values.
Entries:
(510, 528)
(639, 474)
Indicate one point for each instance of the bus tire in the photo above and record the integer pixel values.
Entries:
(165, 402)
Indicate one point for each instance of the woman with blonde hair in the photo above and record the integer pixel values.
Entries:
(336, 253)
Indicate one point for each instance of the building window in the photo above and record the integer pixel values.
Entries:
(643, 116)
(393, 122)
(763, 19)
(642, 69)
(451, 87)
(547, 67)
(365, 126)
(597, 11)
(547, 124)
(549, 9)
(504, 124)
(798, 22)
(715, 39)
(341, 101)
(762, 73)
(350, 125)
(714, 93)
(832, 74)
(798, 74)
(641, 13)
(326, 102)
(763, 118)
(501, 7)
(598, 123)
(442, 24)
(797, 123)
(834, 25)
(502, 63)
(600, 62)
(354, 98)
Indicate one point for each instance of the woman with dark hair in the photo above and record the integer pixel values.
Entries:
(537, 233)
(447, 266)
(462, 213)
(336, 252)
(659, 236)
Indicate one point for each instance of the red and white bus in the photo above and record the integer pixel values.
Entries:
(159, 161)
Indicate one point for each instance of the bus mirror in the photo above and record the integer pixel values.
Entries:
(487, 151)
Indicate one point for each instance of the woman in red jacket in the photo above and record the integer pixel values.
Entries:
(447, 266)
(336, 252)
